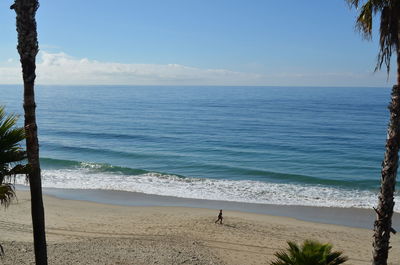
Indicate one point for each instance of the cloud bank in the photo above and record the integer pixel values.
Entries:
(60, 68)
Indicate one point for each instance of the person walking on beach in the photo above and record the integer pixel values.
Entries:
(219, 217)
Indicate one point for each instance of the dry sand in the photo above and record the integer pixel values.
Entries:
(81, 232)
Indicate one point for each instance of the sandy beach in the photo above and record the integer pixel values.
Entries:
(81, 232)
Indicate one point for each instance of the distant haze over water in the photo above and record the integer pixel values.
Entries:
(277, 145)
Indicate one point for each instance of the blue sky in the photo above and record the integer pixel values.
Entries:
(193, 42)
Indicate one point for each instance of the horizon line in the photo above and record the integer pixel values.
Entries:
(270, 86)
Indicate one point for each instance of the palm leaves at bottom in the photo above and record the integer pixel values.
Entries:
(310, 253)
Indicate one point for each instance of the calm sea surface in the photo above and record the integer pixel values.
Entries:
(279, 145)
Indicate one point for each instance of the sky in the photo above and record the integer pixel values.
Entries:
(195, 42)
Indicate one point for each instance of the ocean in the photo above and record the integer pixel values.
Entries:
(314, 146)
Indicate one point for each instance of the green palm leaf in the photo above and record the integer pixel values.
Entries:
(7, 193)
(11, 153)
(389, 25)
(309, 253)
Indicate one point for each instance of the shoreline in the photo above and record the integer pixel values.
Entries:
(350, 217)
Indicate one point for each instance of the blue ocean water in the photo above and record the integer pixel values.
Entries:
(279, 145)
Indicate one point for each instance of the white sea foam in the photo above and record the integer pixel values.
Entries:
(212, 189)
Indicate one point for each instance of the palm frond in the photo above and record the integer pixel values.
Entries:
(283, 258)
(310, 252)
(7, 193)
(7, 122)
(11, 152)
(12, 156)
(389, 34)
(9, 174)
(389, 11)
(336, 258)
(10, 137)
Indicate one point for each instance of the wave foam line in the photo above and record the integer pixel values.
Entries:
(261, 175)
(212, 189)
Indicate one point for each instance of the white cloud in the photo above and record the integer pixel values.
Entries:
(60, 68)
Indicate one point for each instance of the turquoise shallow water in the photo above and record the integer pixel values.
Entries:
(303, 146)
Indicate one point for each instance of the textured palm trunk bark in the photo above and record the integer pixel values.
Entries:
(384, 211)
(398, 61)
(28, 49)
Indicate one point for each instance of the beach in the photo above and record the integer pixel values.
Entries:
(83, 232)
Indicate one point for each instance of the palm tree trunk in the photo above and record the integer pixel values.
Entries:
(398, 59)
(384, 211)
(28, 49)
